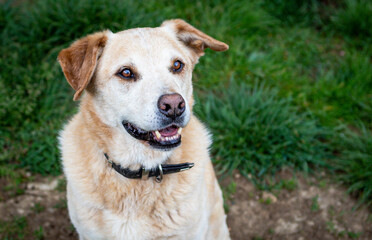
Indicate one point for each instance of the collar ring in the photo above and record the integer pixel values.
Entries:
(159, 177)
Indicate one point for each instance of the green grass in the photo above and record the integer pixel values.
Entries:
(258, 132)
(17, 229)
(315, 204)
(354, 21)
(295, 72)
(290, 184)
(13, 229)
(355, 162)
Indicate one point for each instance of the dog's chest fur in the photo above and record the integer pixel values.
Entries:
(155, 214)
(100, 198)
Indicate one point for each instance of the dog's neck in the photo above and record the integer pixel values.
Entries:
(122, 148)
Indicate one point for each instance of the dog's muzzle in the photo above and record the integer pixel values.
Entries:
(165, 139)
(171, 108)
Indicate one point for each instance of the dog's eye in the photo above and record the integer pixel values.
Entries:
(177, 66)
(126, 73)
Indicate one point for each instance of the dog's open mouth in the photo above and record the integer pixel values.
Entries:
(165, 138)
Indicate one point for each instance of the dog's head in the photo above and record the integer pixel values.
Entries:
(140, 79)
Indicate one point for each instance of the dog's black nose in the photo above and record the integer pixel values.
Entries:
(171, 105)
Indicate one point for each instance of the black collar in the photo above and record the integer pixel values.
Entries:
(143, 173)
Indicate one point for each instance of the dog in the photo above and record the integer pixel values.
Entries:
(135, 157)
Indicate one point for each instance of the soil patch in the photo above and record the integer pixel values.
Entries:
(39, 213)
(314, 209)
(309, 209)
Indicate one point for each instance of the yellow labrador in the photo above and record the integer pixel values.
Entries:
(135, 157)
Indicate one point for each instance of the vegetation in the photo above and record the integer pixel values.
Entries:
(13, 229)
(258, 132)
(293, 90)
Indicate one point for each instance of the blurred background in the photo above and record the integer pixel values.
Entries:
(289, 106)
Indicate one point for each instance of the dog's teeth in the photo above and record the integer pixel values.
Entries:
(166, 138)
(179, 131)
(158, 135)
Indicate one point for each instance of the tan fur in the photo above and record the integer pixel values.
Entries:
(80, 60)
(102, 203)
(194, 38)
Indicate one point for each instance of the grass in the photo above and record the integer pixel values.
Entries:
(354, 21)
(264, 132)
(16, 228)
(315, 204)
(38, 208)
(290, 184)
(355, 162)
(13, 229)
(296, 73)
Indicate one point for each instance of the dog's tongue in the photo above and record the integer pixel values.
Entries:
(169, 131)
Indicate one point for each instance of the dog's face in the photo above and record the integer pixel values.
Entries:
(144, 80)
(140, 79)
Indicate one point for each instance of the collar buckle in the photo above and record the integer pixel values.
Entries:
(145, 174)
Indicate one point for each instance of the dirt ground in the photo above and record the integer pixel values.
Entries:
(314, 209)
(310, 208)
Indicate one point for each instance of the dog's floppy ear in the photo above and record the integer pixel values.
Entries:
(194, 38)
(79, 61)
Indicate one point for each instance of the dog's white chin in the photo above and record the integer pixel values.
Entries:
(152, 157)
(131, 152)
